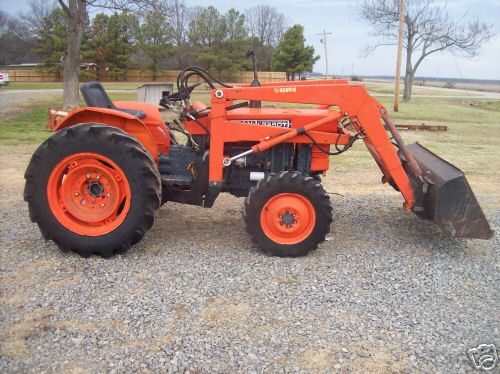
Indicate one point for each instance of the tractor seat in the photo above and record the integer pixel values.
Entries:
(95, 96)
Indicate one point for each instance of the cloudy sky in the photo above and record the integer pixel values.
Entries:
(349, 36)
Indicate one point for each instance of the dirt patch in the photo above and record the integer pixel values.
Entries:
(317, 360)
(372, 358)
(14, 336)
(220, 314)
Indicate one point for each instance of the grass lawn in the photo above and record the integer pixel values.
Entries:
(471, 141)
(29, 126)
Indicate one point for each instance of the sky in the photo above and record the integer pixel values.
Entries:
(350, 36)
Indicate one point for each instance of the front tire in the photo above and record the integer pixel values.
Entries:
(288, 214)
(92, 189)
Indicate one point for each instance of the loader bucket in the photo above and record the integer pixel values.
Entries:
(445, 197)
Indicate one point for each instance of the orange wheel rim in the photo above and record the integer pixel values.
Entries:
(88, 194)
(288, 218)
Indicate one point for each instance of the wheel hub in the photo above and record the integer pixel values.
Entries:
(95, 189)
(288, 219)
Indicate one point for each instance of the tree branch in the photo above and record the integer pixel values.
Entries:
(428, 27)
(65, 7)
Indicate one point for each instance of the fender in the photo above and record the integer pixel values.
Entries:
(110, 117)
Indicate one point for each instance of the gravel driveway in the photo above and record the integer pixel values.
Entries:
(9, 98)
(386, 293)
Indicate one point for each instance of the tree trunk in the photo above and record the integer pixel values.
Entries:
(409, 77)
(409, 74)
(75, 17)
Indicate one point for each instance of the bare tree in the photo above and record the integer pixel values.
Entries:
(77, 12)
(178, 17)
(4, 20)
(266, 23)
(34, 19)
(16, 42)
(428, 30)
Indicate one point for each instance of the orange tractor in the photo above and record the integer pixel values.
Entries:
(96, 185)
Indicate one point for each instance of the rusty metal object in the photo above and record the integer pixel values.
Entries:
(55, 116)
(422, 127)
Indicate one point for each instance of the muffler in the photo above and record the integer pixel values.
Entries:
(444, 196)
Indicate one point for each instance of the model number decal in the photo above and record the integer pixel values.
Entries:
(267, 122)
(285, 89)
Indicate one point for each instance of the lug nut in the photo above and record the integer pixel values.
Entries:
(108, 194)
(98, 177)
(76, 194)
(102, 205)
(84, 202)
(87, 175)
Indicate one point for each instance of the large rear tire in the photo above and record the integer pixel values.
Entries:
(288, 214)
(92, 189)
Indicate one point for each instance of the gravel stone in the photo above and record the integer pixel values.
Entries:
(363, 354)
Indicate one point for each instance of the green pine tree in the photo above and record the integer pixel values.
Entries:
(293, 56)
(156, 39)
(51, 42)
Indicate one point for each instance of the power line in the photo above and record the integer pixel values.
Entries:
(323, 40)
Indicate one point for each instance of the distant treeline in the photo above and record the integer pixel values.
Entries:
(182, 36)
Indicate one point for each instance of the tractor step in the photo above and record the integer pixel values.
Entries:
(180, 180)
(445, 197)
(175, 168)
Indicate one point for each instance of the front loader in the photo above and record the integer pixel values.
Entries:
(96, 185)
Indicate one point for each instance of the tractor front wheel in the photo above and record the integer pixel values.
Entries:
(92, 189)
(288, 214)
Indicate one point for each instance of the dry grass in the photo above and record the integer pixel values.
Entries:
(471, 141)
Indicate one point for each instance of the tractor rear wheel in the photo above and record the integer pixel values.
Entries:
(92, 189)
(288, 214)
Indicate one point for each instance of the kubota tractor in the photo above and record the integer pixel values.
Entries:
(96, 185)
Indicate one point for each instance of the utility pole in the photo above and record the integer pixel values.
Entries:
(400, 50)
(323, 40)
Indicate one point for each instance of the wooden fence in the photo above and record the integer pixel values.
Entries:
(132, 75)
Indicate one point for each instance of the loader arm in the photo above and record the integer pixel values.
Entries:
(432, 188)
(353, 101)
